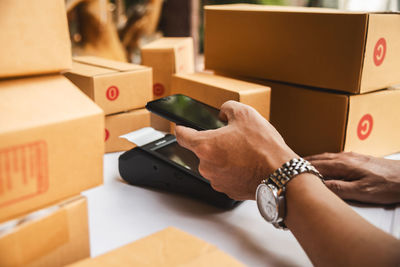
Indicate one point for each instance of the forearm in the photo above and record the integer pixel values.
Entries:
(330, 232)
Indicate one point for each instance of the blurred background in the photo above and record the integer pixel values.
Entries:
(116, 29)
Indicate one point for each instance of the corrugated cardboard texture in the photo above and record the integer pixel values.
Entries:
(169, 247)
(313, 121)
(34, 37)
(316, 47)
(60, 237)
(51, 143)
(214, 90)
(123, 123)
(167, 56)
(114, 86)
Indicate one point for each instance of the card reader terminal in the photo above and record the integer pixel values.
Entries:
(164, 164)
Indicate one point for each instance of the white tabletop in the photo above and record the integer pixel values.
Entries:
(120, 214)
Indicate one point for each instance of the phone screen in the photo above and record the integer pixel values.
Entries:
(181, 156)
(197, 113)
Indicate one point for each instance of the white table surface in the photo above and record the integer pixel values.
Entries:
(120, 214)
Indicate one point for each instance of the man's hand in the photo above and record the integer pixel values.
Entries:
(357, 177)
(236, 157)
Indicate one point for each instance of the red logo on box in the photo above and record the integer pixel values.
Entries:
(380, 51)
(107, 135)
(112, 93)
(158, 89)
(364, 128)
(23, 172)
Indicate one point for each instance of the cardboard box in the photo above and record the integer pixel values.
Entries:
(51, 143)
(34, 37)
(169, 247)
(114, 86)
(214, 90)
(54, 236)
(353, 52)
(167, 56)
(313, 121)
(123, 123)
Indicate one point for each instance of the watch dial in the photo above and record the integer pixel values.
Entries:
(267, 202)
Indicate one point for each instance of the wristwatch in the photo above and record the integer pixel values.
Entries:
(270, 194)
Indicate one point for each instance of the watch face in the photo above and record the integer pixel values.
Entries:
(267, 202)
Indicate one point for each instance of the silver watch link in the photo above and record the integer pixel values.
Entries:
(270, 194)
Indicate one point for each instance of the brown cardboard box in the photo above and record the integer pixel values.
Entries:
(214, 90)
(167, 56)
(51, 143)
(354, 52)
(169, 247)
(313, 121)
(123, 123)
(114, 86)
(34, 37)
(55, 236)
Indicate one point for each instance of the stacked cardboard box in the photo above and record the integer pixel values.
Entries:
(333, 68)
(121, 90)
(167, 56)
(169, 247)
(51, 144)
(173, 66)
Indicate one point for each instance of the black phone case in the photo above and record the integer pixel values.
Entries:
(152, 107)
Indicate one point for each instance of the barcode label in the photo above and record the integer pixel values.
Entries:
(23, 172)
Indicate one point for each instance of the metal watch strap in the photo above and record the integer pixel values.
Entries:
(284, 174)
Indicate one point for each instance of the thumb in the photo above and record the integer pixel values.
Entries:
(343, 189)
(187, 137)
(227, 112)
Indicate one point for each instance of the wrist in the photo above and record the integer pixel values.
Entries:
(275, 158)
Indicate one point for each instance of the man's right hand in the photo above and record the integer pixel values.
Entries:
(358, 177)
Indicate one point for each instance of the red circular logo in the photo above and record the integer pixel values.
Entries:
(158, 89)
(380, 51)
(364, 128)
(107, 135)
(112, 93)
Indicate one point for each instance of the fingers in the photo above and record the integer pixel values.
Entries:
(187, 137)
(323, 156)
(345, 190)
(227, 112)
(333, 169)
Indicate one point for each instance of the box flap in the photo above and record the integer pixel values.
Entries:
(167, 43)
(31, 102)
(87, 70)
(169, 247)
(374, 123)
(238, 86)
(108, 64)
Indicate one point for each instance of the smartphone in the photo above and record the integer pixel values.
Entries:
(186, 111)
